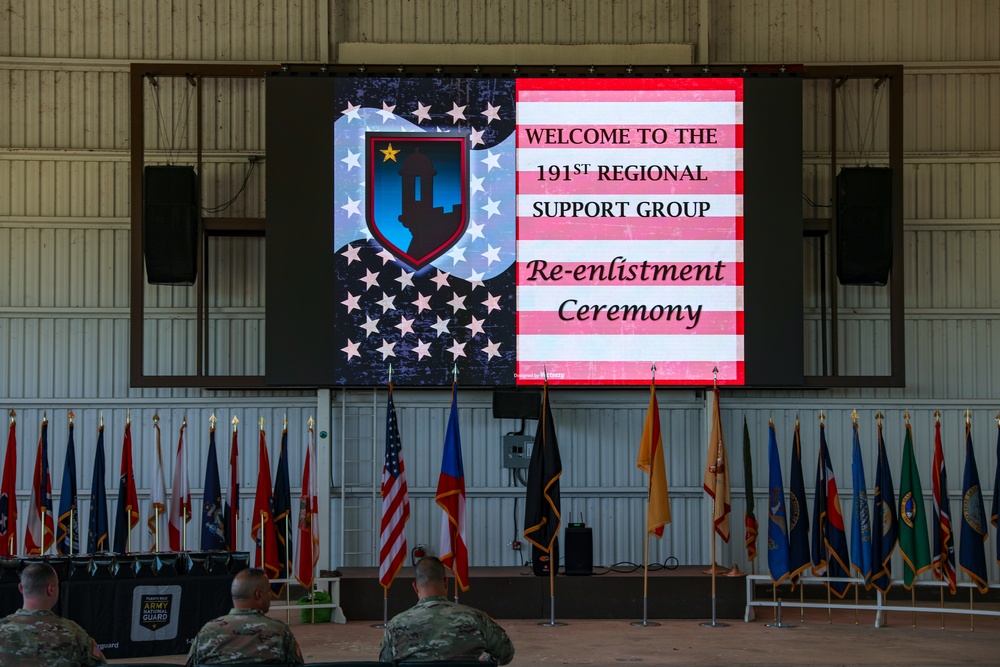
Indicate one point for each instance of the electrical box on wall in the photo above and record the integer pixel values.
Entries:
(517, 450)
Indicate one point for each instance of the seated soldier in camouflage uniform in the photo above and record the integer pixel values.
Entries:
(436, 629)
(33, 635)
(245, 634)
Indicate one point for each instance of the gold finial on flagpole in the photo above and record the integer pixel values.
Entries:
(390, 372)
(71, 417)
(906, 417)
(796, 418)
(311, 422)
(184, 422)
(454, 373)
(45, 416)
(879, 417)
(156, 418)
(997, 418)
(13, 416)
(128, 416)
(236, 424)
(284, 421)
(261, 422)
(715, 377)
(854, 416)
(822, 418)
(101, 420)
(937, 416)
(770, 422)
(968, 415)
(212, 420)
(653, 371)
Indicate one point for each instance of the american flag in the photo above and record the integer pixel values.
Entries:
(458, 310)
(395, 502)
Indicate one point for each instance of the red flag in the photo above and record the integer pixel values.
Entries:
(395, 502)
(180, 496)
(308, 556)
(263, 516)
(717, 473)
(40, 534)
(8, 494)
(127, 516)
(233, 494)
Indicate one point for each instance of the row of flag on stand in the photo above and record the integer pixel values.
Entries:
(450, 497)
(542, 514)
(876, 530)
(272, 527)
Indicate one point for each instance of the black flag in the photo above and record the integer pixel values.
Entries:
(541, 511)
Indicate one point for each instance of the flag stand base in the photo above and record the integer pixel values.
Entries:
(778, 623)
(378, 626)
(551, 624)
(715, 568)
(644, 624)
(713, 624)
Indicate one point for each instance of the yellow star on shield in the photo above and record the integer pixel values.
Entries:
(389, 153)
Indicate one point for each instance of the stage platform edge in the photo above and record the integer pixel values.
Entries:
(516, 592)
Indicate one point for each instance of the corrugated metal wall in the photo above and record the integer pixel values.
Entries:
(64, 257)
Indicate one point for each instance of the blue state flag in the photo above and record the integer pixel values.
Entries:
(798, 512)
(97, 533)
(213, 532)
(996, 492)
(777, 519)
(884, 525)
(861, 528)
(68, 531)
(972, 553)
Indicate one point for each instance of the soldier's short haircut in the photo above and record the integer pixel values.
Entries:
(35, 578)
(429, 570)
(247, 582)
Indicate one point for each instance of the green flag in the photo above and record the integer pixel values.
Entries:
(913, 543)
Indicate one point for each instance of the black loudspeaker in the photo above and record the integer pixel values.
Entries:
(170, 224)
(579, 550)
(864, 225)
(540, 560)
(517, 404)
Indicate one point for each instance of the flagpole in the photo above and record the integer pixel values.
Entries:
(72, 508)
(10, 540)
(156, 510)
(234, 508)
(645, 559)
(715, 502)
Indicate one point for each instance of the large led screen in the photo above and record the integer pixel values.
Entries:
(505, 231)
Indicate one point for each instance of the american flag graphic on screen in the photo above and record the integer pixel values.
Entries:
(629, 230)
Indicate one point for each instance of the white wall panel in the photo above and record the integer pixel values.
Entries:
(853, 31)
(518, 21)
(232, 30)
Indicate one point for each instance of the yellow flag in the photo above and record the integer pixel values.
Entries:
(717, 473)
(650, 461)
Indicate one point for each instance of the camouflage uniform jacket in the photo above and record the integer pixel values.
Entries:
(39, 637)
(244, 636)
(436, 629)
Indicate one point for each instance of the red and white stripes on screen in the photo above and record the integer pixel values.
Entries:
(629, 230)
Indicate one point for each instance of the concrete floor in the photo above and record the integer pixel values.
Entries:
(816, 641)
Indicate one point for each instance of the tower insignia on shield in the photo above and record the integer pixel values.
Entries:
(417, 204)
